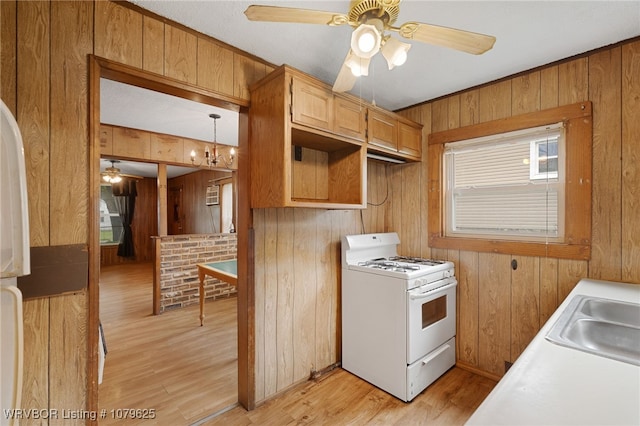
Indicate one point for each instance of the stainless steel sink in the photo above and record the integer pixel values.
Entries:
(611, 311)
(603, 327)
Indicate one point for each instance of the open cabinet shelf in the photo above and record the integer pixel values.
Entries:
(298, 165)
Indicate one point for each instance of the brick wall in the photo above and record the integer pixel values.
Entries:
(179, 254)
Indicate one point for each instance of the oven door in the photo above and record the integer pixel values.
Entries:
(431, 318)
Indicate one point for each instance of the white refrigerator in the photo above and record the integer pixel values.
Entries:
(14, 262)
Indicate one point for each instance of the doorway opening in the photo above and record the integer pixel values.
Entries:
(148, 342)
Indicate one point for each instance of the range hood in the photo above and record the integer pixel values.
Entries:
(386, 158)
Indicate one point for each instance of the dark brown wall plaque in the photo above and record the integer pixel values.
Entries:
(56, 270)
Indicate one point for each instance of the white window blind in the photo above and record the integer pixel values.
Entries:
(490, 190)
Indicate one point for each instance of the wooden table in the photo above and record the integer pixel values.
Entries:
(226, 270)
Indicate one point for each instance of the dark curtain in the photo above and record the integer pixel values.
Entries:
(124, 192)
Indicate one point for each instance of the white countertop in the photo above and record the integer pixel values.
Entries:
(554, 385)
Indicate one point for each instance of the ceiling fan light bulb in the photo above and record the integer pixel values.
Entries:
(116, 179)
(400, 58)
(356, 70)
(365, 41)
(359, 66)
(395, 52)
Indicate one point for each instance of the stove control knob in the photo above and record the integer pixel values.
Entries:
(447, 274)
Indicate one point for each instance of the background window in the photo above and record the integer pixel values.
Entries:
(544, 158)
(110, 223)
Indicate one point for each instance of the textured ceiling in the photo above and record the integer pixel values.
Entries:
(528, 34)
(130, 106)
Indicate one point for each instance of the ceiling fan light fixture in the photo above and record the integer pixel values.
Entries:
(113, 179)
(359, 66)
(365, 41)
(395, 52)
(112, 174)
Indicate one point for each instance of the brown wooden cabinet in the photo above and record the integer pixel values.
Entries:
(309, 144)
(313, 104)
(393, 135)
(410, 139)
(301, 155)
(383, 130)
(349, 118)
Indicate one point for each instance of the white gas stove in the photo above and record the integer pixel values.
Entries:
(377, 254)
(398, 315)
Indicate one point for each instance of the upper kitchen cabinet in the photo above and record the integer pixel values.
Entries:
(315, 105)
(393, 135)
(307, 144)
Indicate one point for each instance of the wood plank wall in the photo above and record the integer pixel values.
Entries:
(197, 217)
(297, 293)
(500, 309)
(44, 80)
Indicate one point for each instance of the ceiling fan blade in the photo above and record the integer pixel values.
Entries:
(290, 14)
(465, 41)
(131, 176)
(345, 79)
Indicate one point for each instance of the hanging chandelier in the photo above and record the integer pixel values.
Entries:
(213, 157)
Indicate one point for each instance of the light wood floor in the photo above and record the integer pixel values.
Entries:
(186, 372)
(166, 362)
(341, 398)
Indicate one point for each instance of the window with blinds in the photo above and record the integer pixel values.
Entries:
(507, 186)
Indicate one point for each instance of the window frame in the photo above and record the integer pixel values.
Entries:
(577, 119)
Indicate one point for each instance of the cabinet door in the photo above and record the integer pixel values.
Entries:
(312, 105)
(349, 118)
(383, 130)
(409, 139)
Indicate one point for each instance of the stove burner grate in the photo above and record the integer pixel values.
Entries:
(417, 260)
(389, 265)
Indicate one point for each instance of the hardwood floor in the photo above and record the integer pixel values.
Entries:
(167, 362)
(186, 372)
(341, 398)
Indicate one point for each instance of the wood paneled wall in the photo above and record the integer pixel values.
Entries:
(500, 309)
(126, 143)
(197, 217)
(44, 80)
(44, 83)
(297, 293)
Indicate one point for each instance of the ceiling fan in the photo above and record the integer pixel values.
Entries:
(372, 19)
(114, 175)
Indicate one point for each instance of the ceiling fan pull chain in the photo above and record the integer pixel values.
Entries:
(373, 81)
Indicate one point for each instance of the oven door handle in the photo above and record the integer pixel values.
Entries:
(415, 296)
(435, 354)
